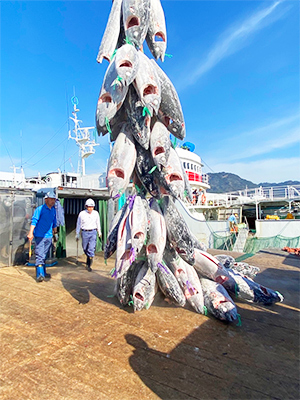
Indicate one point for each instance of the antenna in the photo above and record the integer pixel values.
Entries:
(82, 137)
(21, 137)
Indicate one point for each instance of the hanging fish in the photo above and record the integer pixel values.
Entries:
(111, 33)
(106, 109)
(112, 126)
(173, 175)
(138, 118)
(138, 222)
(112, 236)
(147, 84)
(169, 285)
(157, 33)
(157, 235)
(160, 144)
(217, 301)
(136, 20)
(144, 289)
(170, 111)
(145, 170)
(124, 252)
(126, 63)
(115, 85)
(178, 232)
(124, 285)
(121, 163)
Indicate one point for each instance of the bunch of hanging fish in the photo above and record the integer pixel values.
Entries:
(154, 248)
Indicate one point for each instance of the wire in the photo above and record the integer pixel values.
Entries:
(7, 152)
(45, 144)
(32, 165)
(207, 165)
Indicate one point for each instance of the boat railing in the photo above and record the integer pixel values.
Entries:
(259, 194)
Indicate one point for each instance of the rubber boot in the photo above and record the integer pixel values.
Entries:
(88, 264)
(47, 276)
(40, 275)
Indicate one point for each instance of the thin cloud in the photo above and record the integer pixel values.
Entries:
(263, 170)
(279, 134)
(233, 39)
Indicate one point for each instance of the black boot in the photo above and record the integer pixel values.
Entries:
(88, 264)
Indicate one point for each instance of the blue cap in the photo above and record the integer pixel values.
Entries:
(50, 195)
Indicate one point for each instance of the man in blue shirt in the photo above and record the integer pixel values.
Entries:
(43, 226)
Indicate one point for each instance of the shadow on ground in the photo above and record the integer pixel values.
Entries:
(258, 360)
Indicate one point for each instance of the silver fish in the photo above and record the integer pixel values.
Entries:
(157, 33)
(210, 267)
(145, 171)
(138, 118)
(112, 126)
(144, 289)
(138, 222)
(193, 289)
(173, 174)
(170, 111)
(136, 20)
(243, 268)
(121, 163)
(160, 144)
(169, 285)
(178, 232)
(157, 235)
(112, 236)
(124, 253)
(114, 84)
(124, 284)
(217, 301)
(185, 275)
(106, 108)
(147, 84)
(126, 63)
(111, 33)
(246, 289)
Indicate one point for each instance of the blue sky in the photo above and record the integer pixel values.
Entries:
(235, 65)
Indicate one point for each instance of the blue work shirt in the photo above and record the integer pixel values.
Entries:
(44, 220)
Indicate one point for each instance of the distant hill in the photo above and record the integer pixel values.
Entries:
(221, 182)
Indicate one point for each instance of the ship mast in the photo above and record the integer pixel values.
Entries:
(82, 137)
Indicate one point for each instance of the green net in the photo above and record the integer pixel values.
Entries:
(103, 224)
(253, 245)
(223, 242)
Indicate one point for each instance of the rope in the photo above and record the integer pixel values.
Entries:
(146, 110)
(239, 320)
(107, 125)
(168, 55)
(153, 169)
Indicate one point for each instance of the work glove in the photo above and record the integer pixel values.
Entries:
(77, 238)
(55, 237)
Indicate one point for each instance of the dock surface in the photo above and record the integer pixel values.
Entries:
(69, 338)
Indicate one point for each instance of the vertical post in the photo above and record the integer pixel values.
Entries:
(256, 210)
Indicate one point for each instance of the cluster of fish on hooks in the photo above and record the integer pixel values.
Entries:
(154, 248)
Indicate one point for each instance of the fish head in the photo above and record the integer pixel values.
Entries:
(106, 109)
(174, 126)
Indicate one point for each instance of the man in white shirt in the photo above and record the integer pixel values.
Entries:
(88, 222)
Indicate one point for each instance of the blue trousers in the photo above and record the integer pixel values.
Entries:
(89, 240)
(42, 246)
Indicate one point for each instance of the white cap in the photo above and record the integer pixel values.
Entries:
(50, 195)
(90, 203)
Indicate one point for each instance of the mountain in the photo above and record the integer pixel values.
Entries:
(222, 182)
